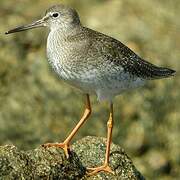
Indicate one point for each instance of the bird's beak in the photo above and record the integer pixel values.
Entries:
(36, 24)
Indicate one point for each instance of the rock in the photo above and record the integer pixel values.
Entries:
(51, 163)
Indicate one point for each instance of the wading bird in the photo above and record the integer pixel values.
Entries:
(92, 62)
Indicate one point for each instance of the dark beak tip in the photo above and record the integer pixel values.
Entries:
(36, 24)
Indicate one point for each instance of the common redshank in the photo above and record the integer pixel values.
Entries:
(94, 63)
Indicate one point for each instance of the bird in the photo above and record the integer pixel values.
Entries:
(94, 63)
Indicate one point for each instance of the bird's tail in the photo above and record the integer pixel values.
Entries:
(151, 71)
(161, 72)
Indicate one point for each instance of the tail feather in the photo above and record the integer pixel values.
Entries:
(160, 72)
(151, 71)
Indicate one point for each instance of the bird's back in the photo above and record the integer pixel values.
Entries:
(116, 53)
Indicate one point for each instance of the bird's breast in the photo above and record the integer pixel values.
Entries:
(69, 62)
(58, 54)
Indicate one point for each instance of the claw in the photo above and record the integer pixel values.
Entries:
(105, 168)
(63, 146)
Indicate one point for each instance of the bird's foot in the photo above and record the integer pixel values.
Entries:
(105, 168)
(64, 146)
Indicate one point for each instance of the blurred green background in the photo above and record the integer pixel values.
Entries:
(36, 107)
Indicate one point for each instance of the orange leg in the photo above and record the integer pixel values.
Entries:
(105, 167)
(65, 145)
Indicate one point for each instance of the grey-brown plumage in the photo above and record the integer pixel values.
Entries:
(113, 51)
(116, 51)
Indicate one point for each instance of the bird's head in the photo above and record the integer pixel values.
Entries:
(56, 17)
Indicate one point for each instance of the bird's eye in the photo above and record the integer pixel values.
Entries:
(55, 15)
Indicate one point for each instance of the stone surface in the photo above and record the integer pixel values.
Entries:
(51, 163)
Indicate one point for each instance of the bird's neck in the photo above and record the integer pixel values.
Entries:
(64, 32)
(61, 43)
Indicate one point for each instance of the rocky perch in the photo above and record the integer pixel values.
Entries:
(51, 163)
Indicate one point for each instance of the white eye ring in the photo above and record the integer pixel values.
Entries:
(55, 15)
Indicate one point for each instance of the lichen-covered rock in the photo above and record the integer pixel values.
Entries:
(91, 152)
(40, 163)
(51, 163)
